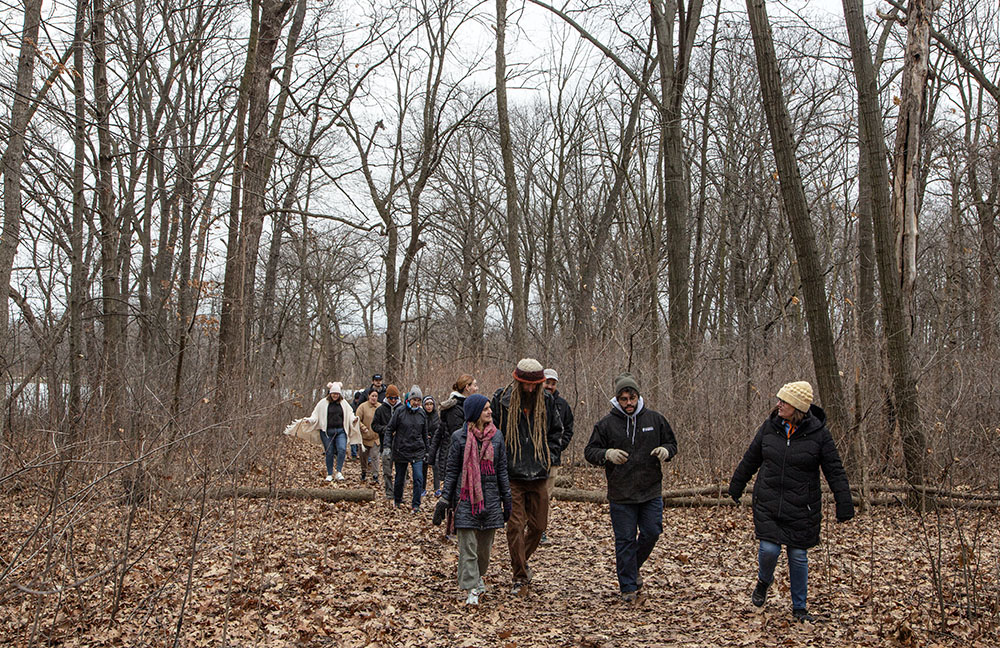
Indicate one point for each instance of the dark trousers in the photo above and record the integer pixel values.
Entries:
(528, 518)
(418, 482)
(631, 551)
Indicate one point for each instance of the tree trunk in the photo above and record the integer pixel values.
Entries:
(78, 279)
(793, 197)
(519, 324)
(676, 200)
(241, 262)
(113, 315)
(896, 329)
(231, 351)
(13, 159)
(906, 176)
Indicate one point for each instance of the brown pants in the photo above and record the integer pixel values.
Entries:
(528, 519)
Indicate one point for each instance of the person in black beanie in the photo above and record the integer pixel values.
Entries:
(631, 442)
(477, 487)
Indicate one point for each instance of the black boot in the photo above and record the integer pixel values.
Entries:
(759, 593)
(802, 615)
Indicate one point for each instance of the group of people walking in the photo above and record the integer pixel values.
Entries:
(495, 460)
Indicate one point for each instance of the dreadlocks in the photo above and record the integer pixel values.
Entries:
(536, 426)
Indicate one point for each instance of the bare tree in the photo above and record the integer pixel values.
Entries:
(895, 327)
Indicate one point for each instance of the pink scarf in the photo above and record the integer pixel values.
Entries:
(477, 461)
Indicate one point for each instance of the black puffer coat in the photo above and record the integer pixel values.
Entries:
(787, 503)
(496, 487)
(407, 434)
(452, 419)
(526, 465)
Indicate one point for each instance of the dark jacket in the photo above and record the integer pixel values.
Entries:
(433, 430)
(566, 416)
(406, 434)
(452, 419)
(380, 421)
(496, 487)
(526, 466)
(640, 478)
(787, 504)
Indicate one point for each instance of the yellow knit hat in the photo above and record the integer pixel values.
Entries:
(797, 394)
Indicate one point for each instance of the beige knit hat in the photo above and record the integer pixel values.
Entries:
(529, 370)
(797, 394)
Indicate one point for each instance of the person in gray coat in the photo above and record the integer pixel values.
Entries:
(477, 487)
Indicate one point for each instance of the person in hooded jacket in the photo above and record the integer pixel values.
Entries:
(632, 442)
(532, 431)
(406, 436)
(787, 453)
(433, 430)
(477, 487)
(379, 423)
(452, 419)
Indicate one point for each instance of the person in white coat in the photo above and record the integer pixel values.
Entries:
(338, 426)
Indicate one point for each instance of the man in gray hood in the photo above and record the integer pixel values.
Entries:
(631, 442)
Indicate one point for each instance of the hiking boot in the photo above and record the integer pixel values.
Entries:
(628, 597)
(760, 593)
(802, 616)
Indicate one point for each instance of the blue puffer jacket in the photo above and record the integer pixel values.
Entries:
(496, 487)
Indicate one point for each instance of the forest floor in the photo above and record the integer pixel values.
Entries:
(315, 574)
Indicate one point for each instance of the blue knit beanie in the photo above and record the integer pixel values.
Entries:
(473, 406)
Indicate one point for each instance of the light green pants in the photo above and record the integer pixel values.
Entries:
(473, 555)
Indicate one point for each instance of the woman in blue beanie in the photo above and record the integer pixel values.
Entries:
(477, 487)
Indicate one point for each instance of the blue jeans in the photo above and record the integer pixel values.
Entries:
(798, 569)
(632, 550)
(418, 481)
(334, 444)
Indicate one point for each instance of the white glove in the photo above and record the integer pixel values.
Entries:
(616, 456)
(661, 453)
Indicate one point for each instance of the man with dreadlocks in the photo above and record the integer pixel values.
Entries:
(532, 429)
(631, 442)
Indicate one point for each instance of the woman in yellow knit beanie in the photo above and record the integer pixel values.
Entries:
(788, 450)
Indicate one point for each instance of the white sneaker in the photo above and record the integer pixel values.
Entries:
(329, 478)
(473, 598)
(340, 477)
